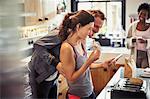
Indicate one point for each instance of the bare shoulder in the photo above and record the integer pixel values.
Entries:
(67, 55)
(66, 48)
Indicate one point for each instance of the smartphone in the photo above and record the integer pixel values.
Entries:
(117, 57)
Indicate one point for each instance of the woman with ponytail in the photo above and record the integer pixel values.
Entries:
(73, 56)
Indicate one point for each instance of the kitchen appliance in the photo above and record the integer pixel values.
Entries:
(124, 89)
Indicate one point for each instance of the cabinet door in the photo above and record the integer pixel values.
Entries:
(33, 11)
(101, 77)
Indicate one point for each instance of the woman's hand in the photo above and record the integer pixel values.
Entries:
(109, 63)
(94, 56)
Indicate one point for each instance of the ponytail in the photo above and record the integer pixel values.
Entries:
(71, 20)
(64, 31)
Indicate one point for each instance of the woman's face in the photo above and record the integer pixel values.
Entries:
(83, 31)
(143, 15)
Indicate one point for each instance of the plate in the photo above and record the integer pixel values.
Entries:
(147, 75)
(147, 70)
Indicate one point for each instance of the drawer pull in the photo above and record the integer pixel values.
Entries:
(59, 81)
(60, 94)
(105, 69)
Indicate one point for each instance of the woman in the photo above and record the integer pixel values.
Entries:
(138, 38)
(73, 56)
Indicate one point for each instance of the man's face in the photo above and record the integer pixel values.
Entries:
(98, 23)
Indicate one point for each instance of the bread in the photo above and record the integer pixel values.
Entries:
(136, 81)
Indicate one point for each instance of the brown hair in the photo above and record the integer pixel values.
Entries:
(98, 13)
(69, 23)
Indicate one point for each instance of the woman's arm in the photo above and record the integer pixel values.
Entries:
(105, 64)
(148, 41)
(131, 39)
(67, 57)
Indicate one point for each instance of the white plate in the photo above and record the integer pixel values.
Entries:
(147, 70)
(145, 75)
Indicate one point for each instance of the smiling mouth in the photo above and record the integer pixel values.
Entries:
(141, 18)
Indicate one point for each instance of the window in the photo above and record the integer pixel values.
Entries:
(112, 11)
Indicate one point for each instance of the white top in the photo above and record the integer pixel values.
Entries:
(89, 43)
(144, 35)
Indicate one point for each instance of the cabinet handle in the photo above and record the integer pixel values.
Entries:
(40, 19)
(114, 70)
(45, 18)
(59, 81)
(30, 42)
(59, 93)
(105, 69)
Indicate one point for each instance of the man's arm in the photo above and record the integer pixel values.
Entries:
(46, 56)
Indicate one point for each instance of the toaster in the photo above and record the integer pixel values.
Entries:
(123, 89)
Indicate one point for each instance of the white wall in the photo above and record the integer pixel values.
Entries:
(131, 8)
(49, 6)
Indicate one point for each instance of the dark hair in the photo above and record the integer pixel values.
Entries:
(98, 13)
(69, 23)
(144, 6)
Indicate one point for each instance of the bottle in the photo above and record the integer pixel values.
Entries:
(130, 67)
(133, 67)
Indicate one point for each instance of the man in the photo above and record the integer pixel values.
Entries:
(98, 23)
(42, 67)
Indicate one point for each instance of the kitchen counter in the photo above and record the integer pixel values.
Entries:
(105, 93)
(107, 53)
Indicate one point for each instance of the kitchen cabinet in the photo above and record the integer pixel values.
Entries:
(33, 11)
(39, 11)
(62, 87)
(101, 76)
